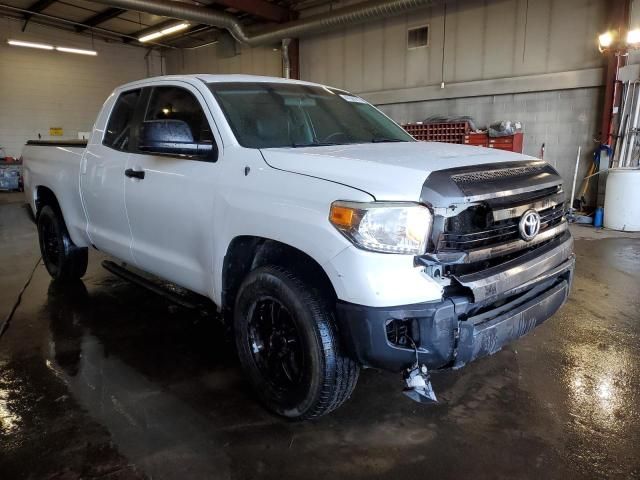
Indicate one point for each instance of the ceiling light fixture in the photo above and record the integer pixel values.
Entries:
(20, 43)
(44, 46)
(77, 50)
(151, 36)
(605, 40)
(175, 28)
(633, 36)
(163, 32)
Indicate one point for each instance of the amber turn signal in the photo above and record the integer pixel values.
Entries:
(341, 216)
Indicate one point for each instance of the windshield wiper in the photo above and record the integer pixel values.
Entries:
(385, 140)
(313, 144)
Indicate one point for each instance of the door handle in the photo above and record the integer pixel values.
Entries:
(131, 173)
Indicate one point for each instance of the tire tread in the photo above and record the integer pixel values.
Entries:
(340, 372)
(74, 260)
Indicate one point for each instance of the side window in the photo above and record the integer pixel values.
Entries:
(118, 132)
(174, 103)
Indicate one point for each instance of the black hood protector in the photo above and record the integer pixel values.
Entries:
(489, 182)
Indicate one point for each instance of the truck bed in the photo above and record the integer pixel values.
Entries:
(58, 143)
(55, 165)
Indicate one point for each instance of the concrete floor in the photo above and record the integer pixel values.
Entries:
(105, 380)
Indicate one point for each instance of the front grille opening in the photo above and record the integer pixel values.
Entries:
(475, 228)
(403, 333)
(473, 219)
(466, 268)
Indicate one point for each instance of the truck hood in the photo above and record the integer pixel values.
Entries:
(387, 171)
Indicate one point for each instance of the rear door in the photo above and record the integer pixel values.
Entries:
(171, 209)
(102, 176)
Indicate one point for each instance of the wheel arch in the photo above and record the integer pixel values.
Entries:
(246, 253)
(44, 196)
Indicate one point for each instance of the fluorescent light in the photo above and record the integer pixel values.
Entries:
(633, 36)
(175, 28)
(20, 43)
(44, 46)
(77, 50)
(605, 40)
(151, 36)
(163, 32)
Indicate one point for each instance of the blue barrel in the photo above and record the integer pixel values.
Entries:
(597, 218)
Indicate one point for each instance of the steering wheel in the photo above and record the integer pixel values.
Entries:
(121, 140)
(332, 137)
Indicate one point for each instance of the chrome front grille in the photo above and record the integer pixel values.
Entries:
(477, 211)
(476, 228)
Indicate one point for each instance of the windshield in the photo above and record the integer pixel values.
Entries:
(266, 115)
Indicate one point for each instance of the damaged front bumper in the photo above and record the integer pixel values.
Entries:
(497, 306)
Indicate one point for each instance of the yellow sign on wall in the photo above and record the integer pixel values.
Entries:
(56, 131)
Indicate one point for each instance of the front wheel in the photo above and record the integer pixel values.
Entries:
(289, 347)
(63, 260)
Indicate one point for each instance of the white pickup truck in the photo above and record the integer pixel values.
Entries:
(327, 237)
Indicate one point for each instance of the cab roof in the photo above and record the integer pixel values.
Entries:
(211, 78)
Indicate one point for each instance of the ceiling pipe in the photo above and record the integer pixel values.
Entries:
(352, 15)
(110, 34)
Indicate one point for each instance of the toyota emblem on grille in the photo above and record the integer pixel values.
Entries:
(529, 225)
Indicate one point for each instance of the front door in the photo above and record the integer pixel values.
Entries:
(171, 209)
(102, 178)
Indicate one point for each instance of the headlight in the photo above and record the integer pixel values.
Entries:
(390, 227)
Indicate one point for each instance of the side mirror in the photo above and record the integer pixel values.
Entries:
(172, 137)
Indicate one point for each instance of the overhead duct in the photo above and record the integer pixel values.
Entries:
(342, 17)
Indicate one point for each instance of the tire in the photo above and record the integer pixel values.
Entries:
(63, 260)
(289, 347)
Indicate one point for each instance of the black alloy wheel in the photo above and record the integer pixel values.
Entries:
(276, 344)
(63, 260)
(289, 347)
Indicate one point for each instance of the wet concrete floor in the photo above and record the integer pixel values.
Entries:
(102, 379)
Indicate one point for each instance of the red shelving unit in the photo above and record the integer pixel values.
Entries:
(438, 132)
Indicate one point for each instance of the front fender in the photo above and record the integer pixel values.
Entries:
(287, 207)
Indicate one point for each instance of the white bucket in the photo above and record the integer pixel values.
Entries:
(622, 200)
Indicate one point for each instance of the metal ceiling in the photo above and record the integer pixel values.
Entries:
(116, 24)
(321, 22)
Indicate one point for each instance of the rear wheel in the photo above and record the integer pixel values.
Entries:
(63, 260)
(288, 345)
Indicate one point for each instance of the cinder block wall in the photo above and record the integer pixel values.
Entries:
(562, 120)
(40, 89)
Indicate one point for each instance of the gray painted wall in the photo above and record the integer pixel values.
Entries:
(254, 61)
(484, 40)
